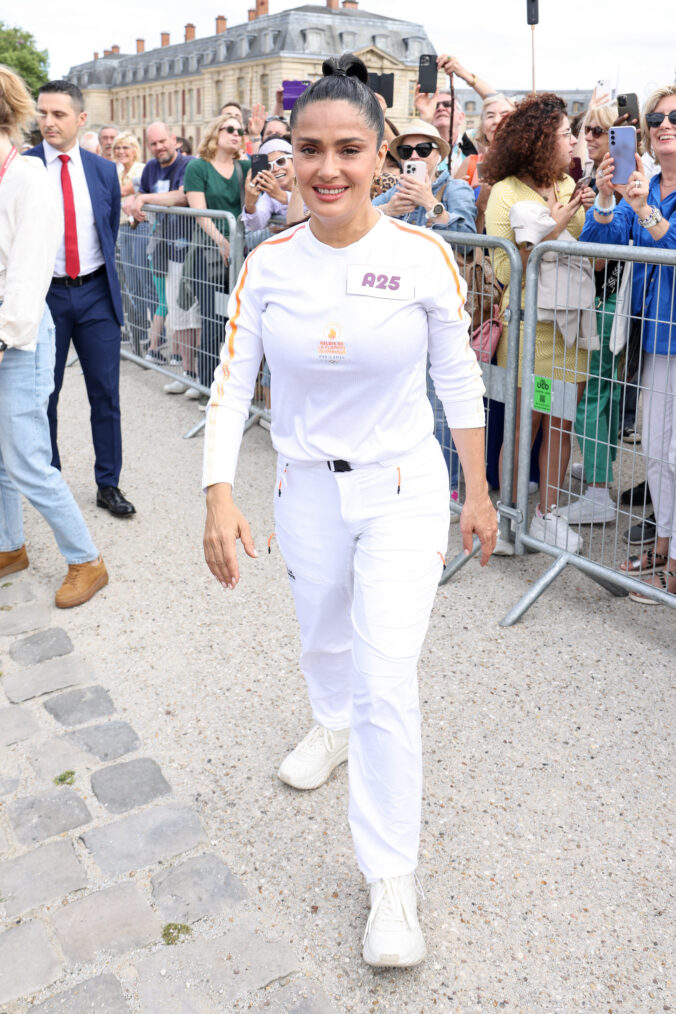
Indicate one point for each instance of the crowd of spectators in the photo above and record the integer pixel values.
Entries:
(511, 177)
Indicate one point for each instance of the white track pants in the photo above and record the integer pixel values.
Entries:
(364, 561)
(658, 381)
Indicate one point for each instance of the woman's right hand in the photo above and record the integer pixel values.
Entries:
(425, 103)
(604, 180)
(398, 205)
(224, 525)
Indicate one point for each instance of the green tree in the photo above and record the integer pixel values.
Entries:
(19, 51)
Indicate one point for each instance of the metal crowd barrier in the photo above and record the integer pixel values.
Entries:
(591, 417)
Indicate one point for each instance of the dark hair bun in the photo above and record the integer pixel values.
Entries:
(347, 65)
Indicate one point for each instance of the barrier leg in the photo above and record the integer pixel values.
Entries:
(534, 593)
(458, 561)
(195, 430)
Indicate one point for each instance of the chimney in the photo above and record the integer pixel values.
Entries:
(115, 49)
(252, 14)
(189, 32)
(350, 5)
(106, 52)
(221, 24)
(333, 5)
(140, 45)
(164, 39)
(96, 54)
(261, 8)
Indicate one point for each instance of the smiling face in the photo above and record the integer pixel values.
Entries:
(596, 146)
(124, 154)
(431, 161)
(335, 157)
(284, 173)
(663, 138)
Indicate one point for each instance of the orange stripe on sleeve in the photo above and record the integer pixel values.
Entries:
(449, 262)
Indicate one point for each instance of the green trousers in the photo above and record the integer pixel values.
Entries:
(597, 421)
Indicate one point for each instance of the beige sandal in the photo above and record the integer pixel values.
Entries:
(661, 581)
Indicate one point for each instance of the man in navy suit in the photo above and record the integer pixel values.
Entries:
(84, 297)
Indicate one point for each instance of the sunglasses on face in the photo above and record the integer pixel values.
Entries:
(444, 105)
(655, 119)
(233, 130)
(423, 149)
(595, 131)
(281, 161)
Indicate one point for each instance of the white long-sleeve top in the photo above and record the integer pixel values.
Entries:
(346, 333)
(31, 228)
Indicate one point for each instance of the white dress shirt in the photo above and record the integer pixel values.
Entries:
(89, 247)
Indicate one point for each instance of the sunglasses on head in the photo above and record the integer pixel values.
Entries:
(655, 119)
(279, 119)
(233, 130)
(281, 161)
(595, 131)
(423, 149)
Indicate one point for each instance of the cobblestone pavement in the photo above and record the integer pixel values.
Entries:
(548, 812)
(104, 871)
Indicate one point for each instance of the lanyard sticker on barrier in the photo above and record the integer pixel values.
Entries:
(542, 395)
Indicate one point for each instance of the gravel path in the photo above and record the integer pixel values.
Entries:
(547, 847)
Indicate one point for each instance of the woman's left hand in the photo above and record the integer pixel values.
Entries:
(266, 182)
(635, 192)
(224, 247)
(587, 196)
(419, 194)
(480, 518)
(257, 120)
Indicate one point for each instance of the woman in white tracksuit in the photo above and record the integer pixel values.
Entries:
(346, 308)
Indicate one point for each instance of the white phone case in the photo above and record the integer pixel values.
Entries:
(416, 169)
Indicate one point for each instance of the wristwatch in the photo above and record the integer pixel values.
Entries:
(3, 346)
(437, 210)
(653, 218)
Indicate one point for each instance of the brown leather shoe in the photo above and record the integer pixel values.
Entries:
(16, 559)
(82, 581)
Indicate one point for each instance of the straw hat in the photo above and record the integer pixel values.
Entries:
(416, 126)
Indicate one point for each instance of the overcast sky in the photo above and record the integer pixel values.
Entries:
(630, 42)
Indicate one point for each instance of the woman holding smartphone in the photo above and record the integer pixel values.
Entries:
(647, 215)
(361, 496)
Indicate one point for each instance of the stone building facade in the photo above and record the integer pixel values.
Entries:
(185, 84)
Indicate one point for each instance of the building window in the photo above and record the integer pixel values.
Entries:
(170, 104)
(470, 107)
(133, 109)
(144, 109)
(157, 106)
(577, 107)
(198, 101)
(314, 40)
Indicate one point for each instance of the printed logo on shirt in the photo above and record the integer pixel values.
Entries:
(331, 348)
(387, 282)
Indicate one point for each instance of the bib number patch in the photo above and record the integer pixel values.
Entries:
(382, 282)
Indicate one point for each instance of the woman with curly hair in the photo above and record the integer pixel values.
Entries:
(528, 162)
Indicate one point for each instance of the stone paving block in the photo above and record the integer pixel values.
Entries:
(4, 848)
(108, 741)
(303, 997)
(102, 995)
(196, 888)
(46, 677)
(34, 818)
(144, 838)
(42, 875)
(13, 593)
(27, 961)
(8, 785)
(16, 724)
(19, 619)
(76, 707)
(123, 787)
(206, 975)
(38, 647)
(115, 920)
(51, 757)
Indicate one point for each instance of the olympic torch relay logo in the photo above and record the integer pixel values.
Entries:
(331, 348)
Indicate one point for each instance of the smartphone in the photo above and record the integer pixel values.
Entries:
(628, 104)
(258, 163)
(292, 90)
(416, 169)
(603, 87)
(622, 146)
(427, 73)
(384, 85)
(480, 171)
(575, 168)
(583, 182)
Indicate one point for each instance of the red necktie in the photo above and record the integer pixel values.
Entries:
(69, 220)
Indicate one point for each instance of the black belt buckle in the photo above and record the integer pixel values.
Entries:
(339, 466)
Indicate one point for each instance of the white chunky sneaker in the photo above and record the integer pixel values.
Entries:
(554, 530)
(586, 511)
(315, 757)
(393, 938)
(577, 470)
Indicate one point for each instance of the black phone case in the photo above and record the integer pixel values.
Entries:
(427, 73)
(259, 162)
(628, 104)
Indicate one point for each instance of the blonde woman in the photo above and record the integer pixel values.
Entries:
(135, 277)
(127, 157)
(215, 180)
(31, 229)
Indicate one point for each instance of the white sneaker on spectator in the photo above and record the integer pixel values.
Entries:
(393, 938)
(577, 471)
(532, 487)
(503, 547)
(587, 511)
(175, 387)
(554, 530)
(176, 360)
(315, 757)
(192, 394)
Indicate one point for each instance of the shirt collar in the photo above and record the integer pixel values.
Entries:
(51, 153)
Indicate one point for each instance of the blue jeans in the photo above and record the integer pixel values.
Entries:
(26, 382)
